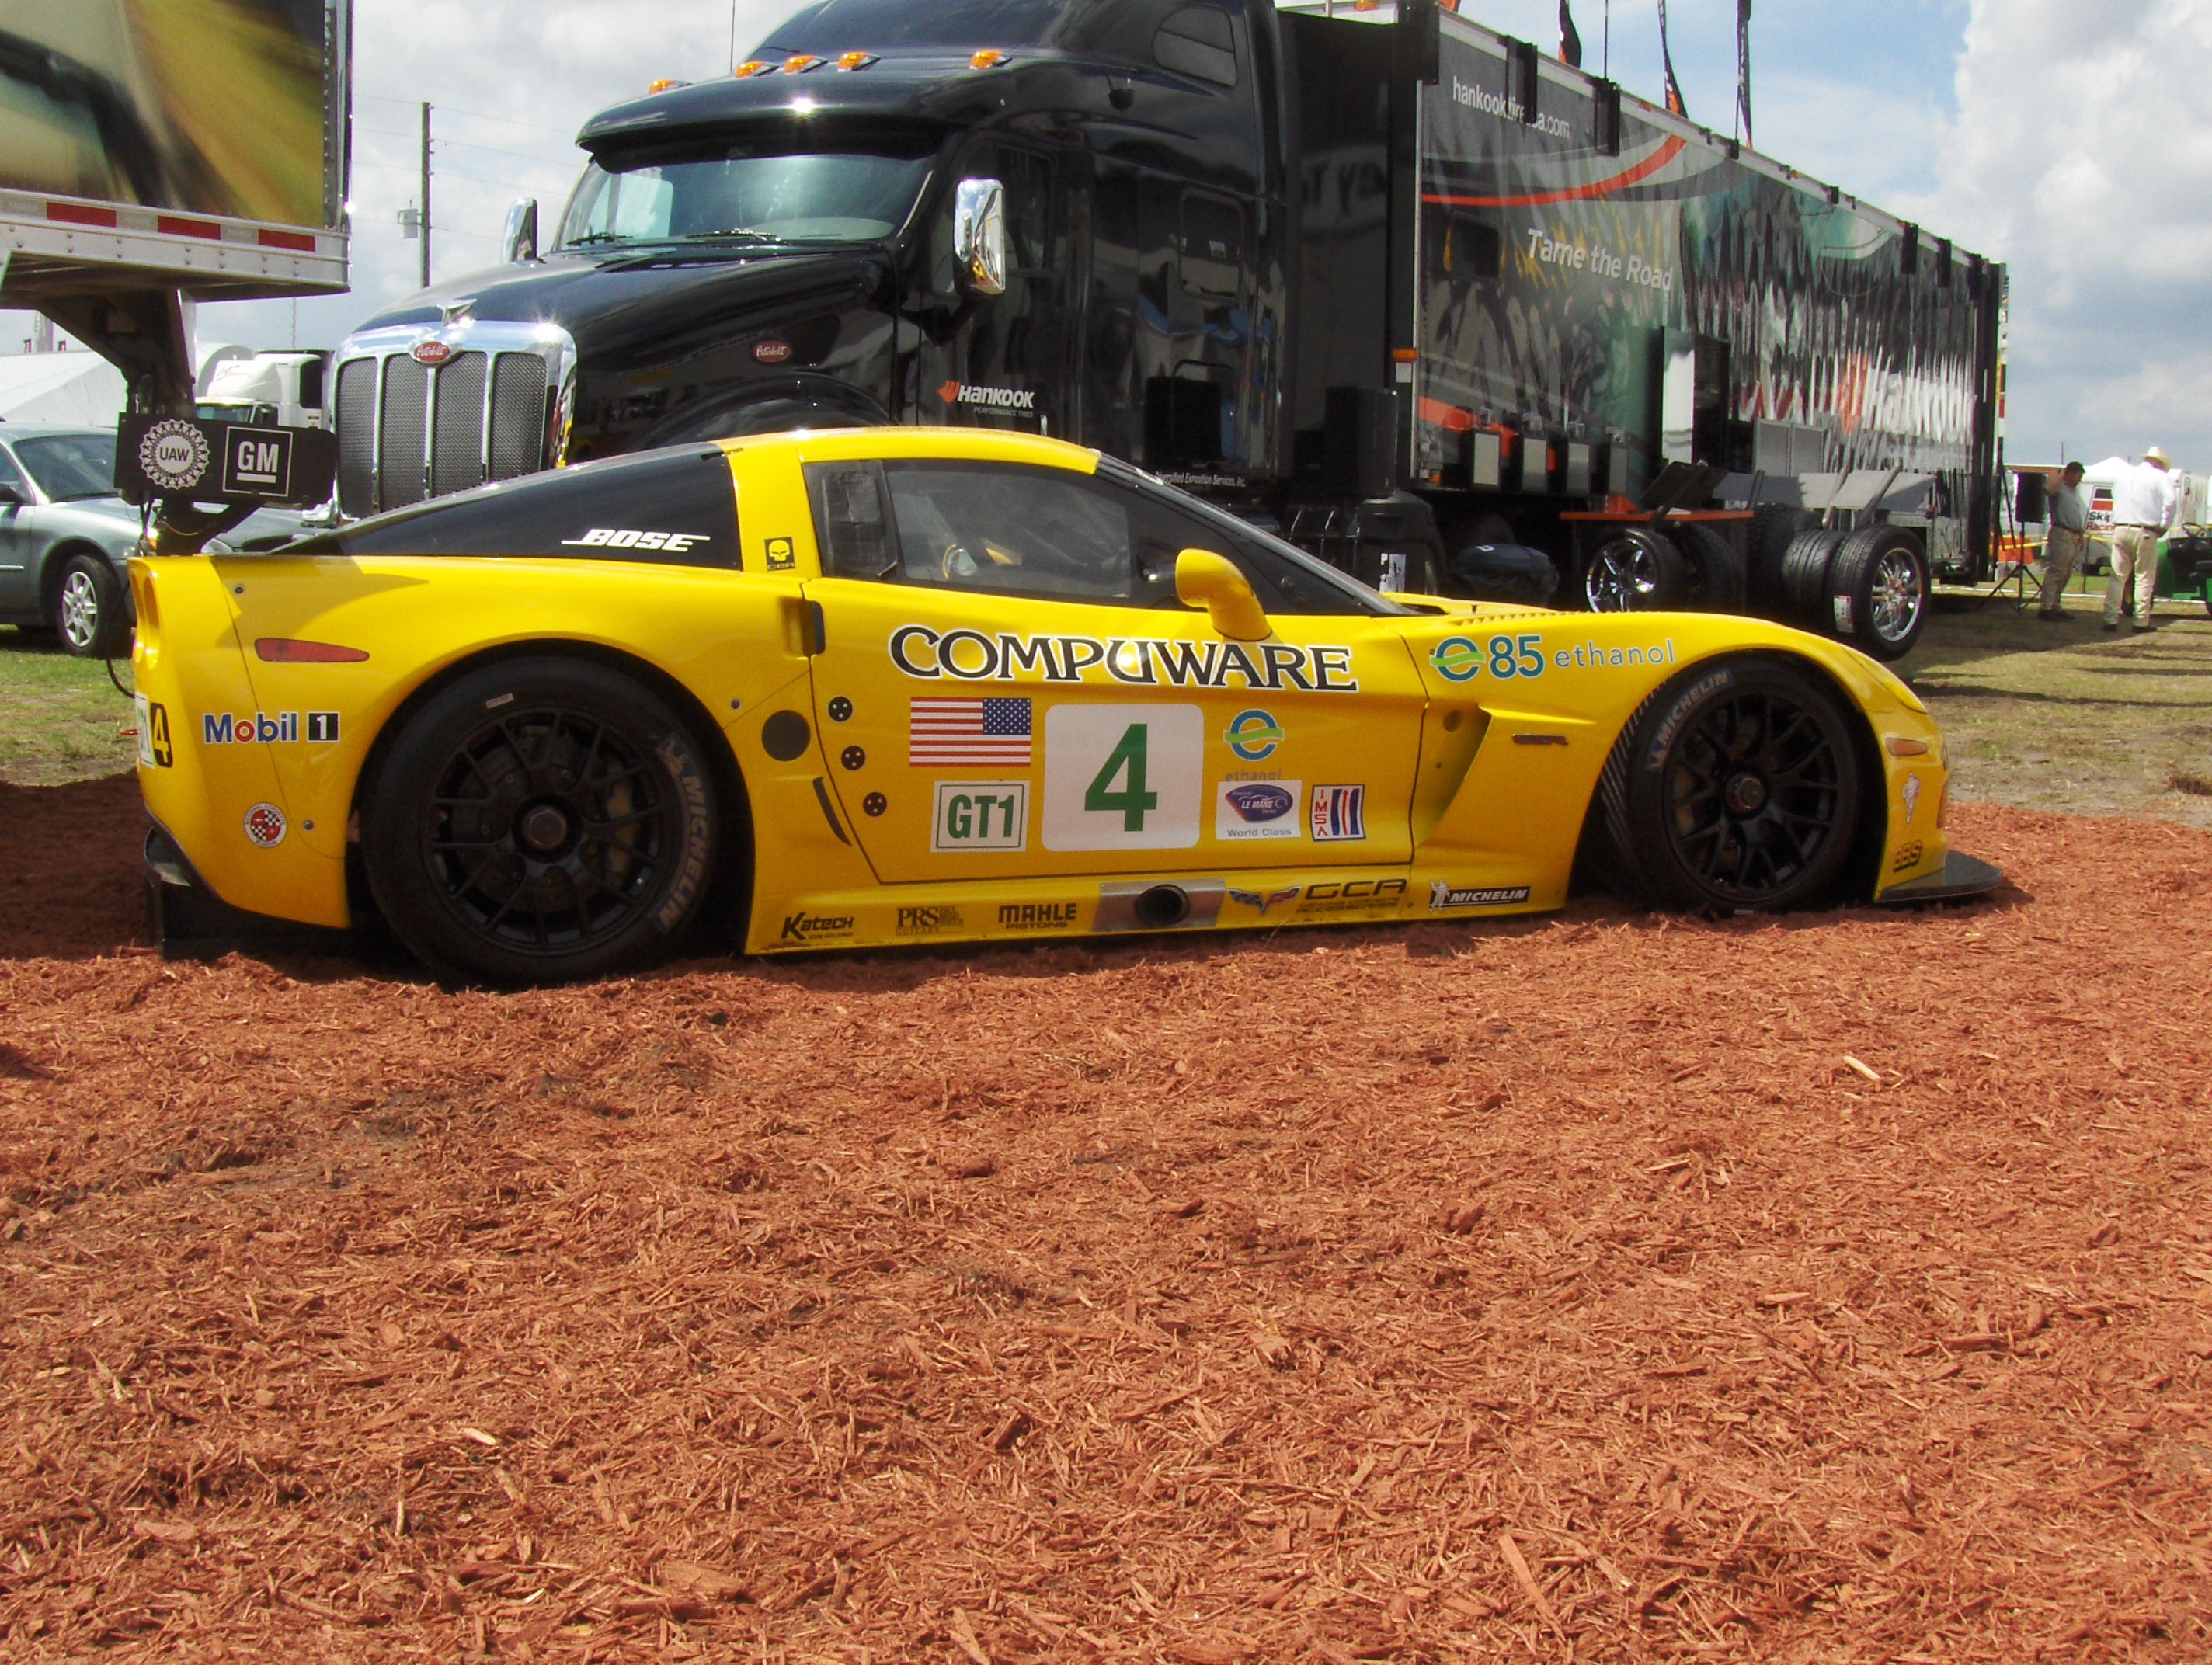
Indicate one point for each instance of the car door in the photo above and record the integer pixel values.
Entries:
(1007, 687)
(18, 583)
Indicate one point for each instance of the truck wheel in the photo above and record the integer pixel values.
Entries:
(1878, 591)
(1717, 583)
(1805, 574)
(1636, 570)
(540, 821)
(1734, 787)
(88, 608)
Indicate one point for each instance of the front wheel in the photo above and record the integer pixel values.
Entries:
(1734, 788)
(541, 820)
(1636, 571)
(89, 610)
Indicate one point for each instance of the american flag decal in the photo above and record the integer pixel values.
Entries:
(1340, 814)
(983, 733)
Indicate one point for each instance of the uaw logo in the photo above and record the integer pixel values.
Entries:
(175, 455)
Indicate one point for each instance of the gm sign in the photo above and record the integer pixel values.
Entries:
(257, 462)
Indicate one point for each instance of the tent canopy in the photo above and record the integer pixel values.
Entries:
(67, 389)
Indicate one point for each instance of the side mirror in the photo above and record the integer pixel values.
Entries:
(521, 237)
(979, 234)
(10, 497)
(1205, 580)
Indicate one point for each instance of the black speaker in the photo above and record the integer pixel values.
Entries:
(2032, 500)
(1359, 443)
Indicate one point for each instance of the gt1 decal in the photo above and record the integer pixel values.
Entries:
(1038, 915)
(155, 748)
(1444, 899)
(1251, 809)
(1135, 661)
(1253, 736)
(622, 538)
(265, 826)
(1339, 815)
(1123, 777)
(981, 815)
(263, 729)
(1591, 656)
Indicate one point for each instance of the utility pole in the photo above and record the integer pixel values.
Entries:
(426, 196)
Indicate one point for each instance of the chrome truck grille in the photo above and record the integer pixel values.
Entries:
(491, 409)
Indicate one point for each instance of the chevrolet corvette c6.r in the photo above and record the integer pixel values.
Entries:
(845, 689)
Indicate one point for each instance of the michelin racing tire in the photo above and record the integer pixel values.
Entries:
(541, 820)
(1734, 788)
(1716, 584)
(1878, 591)
(1636, 570)
(89, 611)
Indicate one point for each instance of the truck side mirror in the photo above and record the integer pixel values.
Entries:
(1205, 580)
(979, 234)
(522, 239)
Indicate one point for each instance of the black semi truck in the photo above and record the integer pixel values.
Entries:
(1451, 314)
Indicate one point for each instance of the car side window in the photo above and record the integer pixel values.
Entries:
(994, 528)
(1283, 584)
(13, 476)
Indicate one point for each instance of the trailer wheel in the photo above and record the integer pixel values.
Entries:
(1805, 574)
(541, 820)
(1636, 570)
(1878, 591)
(1717, 580)
(1734, 788)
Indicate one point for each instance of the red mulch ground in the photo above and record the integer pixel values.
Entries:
(1551, 1291)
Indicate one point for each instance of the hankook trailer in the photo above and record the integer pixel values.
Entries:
(1441, 309)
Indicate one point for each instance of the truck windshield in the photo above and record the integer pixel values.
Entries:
(842, 26)
(838, 197)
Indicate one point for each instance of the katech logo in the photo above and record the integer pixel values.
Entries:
(619, 538)
(1038, 915)
(806, 927)
(990, 398)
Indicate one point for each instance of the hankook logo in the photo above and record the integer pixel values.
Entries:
(991, 399)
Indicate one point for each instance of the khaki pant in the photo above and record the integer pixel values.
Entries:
(2062, 559)
(2135, 554)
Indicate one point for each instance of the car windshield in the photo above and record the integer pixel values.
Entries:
(67, 466)
(747, 190)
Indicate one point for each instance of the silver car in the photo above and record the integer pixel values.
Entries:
(65, 538)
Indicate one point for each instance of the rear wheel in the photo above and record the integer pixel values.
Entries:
(1736, 788)
(539, 821)
(88, 608)
(1636, 570)
(1878, 591)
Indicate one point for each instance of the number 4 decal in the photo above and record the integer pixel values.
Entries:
(1123, 777)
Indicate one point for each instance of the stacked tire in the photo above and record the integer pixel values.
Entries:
(1868, 587)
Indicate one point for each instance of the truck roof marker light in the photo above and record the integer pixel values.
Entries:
(989, 59)
(852, 61)
(284, 650)
(753, 66)
(1406, 354)
(799, 62)
(665, 84)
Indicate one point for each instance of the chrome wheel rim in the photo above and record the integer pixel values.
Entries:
(1896, 596)
(1623, 579)
(80, 610)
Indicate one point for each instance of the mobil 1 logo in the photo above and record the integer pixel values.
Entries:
(981, 815)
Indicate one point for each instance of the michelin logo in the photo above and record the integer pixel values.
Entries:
(1443, 899)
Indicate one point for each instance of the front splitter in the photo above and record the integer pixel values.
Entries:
(1963, 877)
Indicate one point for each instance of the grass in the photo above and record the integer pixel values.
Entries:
(2042, 716)
(2065, 717)
(60, 718)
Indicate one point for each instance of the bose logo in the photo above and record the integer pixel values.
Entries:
(603, 537)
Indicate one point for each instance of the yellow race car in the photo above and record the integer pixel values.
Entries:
(846, 689)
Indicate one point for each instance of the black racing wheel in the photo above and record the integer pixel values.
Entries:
(1734, 788)
(540, 820)
(1636, 570)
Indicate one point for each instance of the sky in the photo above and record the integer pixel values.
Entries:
(2057, 137)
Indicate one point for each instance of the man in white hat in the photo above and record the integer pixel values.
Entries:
(2146, 503)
